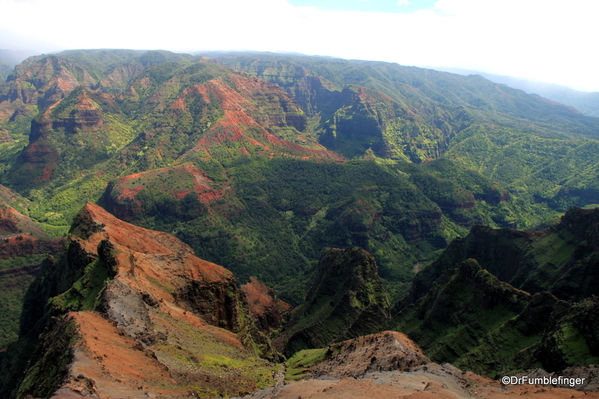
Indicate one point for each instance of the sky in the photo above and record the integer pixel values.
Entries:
(545, 40)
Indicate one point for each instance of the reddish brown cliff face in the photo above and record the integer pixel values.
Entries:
(267, 311)
(21, 236)
(166, 323)
(253, 110)
(158, 266)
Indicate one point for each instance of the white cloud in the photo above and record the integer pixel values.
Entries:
(546, 40)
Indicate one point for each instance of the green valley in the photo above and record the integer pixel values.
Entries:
(450, 205)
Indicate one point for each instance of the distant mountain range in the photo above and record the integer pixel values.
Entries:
(585, 102)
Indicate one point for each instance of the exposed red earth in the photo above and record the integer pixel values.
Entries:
(244, 122)
(171, 325)
(268, 312)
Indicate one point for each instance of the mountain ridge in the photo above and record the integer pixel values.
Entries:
(585, 101)
(266, 168)
(95, 124)
(130, 294)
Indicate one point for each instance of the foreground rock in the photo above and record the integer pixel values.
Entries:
(431, 381)
(389, 365)
(130, 312)
(389, 350)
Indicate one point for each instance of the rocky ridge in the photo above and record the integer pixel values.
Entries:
(347, 299)
(135, 312)
(389, 365)
(560, 259)
(473, 320)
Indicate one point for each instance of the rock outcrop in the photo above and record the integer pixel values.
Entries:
(145, 316)
(268, 312)
(384, 351)
(347, 299)
(389, 365)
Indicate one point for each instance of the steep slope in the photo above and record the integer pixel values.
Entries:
(530, 145)
(13, 222)
(243, 161)
(81, 118)
(180, 108)
(4, 69)
(476, 322)
(560, 259)
(23, 246)
(585, 102)
(176, 193)
(130, 311)
(105, 114)
(346, 300)
(427, 93)
(459, 312)
(268, 312)
(347, 114)
(272, 218)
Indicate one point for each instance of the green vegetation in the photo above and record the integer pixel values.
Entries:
(85, 293)
(558, 259)
(474, 321)
(346, 300)
(356, 108)
(297, 365)
(428, 155)
(20, 261)
(51, 367)
(281, 214)
(464, 306)
(193, 349)
(12, 292)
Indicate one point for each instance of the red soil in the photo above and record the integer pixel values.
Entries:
(267, 311)
(178, 104)
(130, 193)
(116, 363)
(202, 183)
(239, 117)
(109, 362)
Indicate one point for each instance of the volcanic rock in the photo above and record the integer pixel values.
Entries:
(268, 312)
(136, 314)
(386, 351)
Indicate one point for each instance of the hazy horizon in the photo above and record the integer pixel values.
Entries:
(546, 42)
